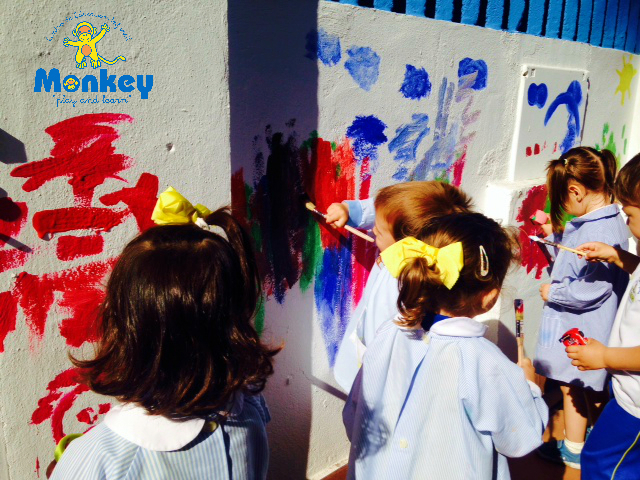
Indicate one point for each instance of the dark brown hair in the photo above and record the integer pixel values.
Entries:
(627, 187)
(408, 207)
(176, 324)
(421, 288)
(594, 170)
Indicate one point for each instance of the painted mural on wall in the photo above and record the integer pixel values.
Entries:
(84, 153)
(290, 166)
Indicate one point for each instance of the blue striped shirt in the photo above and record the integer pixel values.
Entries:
(443, 405)
(234, 449)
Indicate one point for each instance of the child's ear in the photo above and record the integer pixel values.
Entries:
(489, 299)
(578, 191)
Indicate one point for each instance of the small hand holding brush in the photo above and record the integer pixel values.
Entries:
(311, 206)
(557, 245)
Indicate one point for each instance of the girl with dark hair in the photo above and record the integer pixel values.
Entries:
(581, 295)
(179, 351)
(434, 398)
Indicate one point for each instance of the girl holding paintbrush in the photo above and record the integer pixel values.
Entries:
(581, 295)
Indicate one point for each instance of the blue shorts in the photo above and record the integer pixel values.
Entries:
(612, 450)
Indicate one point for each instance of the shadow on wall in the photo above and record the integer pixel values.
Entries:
(11, 149)
(271, 91)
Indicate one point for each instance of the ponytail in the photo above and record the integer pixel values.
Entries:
(594, 170)
(418, 283)
(610, 166)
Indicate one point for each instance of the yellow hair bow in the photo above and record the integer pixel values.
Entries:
(449, 259)
(173, 209)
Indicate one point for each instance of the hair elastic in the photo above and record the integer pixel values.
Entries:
(217, 229)
(484, 262)
(566, 162)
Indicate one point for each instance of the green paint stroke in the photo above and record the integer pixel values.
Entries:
(311, 254)
(259, 318)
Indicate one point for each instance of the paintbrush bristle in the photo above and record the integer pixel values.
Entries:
(310, 206)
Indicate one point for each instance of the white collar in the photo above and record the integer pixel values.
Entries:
(459, 327)
(153, 432)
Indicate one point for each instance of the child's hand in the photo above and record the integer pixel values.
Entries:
(544, 291)
(547, 229)
(589, 356)
(337, 215)
(529, 371)
(599, 252)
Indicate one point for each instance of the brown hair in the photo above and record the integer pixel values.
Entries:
(408, 207)
(595, 170)
(176, 324)
(627, 187)
(421, 289)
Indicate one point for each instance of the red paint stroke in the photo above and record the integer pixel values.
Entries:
(334, 181)
(536, 149)
(70, 247)
(458, 168)
(140, 199)
(529, 152)
(532, 256)
(81, 295)
(11, 259)
(555, 147)
(83, 152)
(13, 218)
(38, 466)
(364, 253)
(76, 218)
(59, 401)
(89, 415)
(238, 196)
(8, 315)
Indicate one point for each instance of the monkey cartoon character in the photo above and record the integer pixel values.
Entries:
(87, 45)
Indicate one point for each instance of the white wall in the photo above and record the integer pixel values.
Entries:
(184, 46)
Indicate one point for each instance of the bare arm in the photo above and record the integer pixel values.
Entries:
(601, 252)
(595, 355)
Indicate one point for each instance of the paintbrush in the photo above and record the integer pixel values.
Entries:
(518, 305)
(312, 207)
(557, 245)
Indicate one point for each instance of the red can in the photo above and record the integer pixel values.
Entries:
(573, 337)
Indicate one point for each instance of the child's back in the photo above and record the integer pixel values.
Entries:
(400, 211)
(179, 351)
(434, 399)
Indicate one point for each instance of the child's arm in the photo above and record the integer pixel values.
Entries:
(356, 213)
(499, 400)
(594, 356)
(590, 289)
(601, 252)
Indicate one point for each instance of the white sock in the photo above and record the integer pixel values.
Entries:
(574, 447)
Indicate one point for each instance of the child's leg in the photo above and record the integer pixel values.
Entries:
(613, 446)
(575, 413)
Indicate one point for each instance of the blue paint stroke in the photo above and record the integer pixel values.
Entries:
(441, 154)
(468, 66)
(416, 83)
(324, 47)
(537, 95)
(332, 292)
(363, 66)
(572, 99)
(367, 134)
(405, 144)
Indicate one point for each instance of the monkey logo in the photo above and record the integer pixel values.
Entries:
(70, 84)
(87, 45)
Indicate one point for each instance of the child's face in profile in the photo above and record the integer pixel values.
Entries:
(633, 219)
(382, 231)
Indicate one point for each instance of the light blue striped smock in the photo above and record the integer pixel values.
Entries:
(446, 405)
(582, 295)
(237, 449)
(377, 305)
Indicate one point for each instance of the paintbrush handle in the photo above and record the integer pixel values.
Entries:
(520, 341)
(572, 250)
(359, 233)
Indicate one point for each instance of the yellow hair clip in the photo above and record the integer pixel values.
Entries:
(173, 209)
(449, 259)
